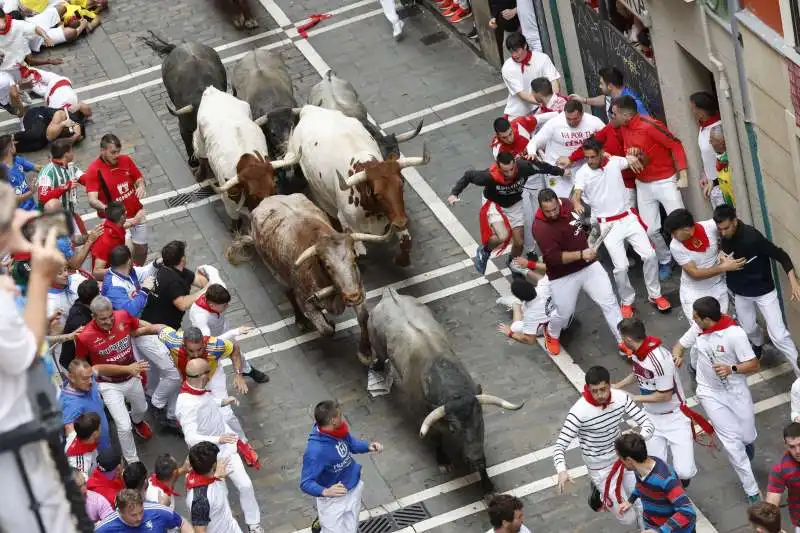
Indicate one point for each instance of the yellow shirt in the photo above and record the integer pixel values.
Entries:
(216, 349)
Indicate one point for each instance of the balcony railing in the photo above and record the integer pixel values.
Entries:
(719, 8)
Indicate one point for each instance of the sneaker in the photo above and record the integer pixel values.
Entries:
(626, 310)
(758, 350)
(624, 350)
(507, 301)
(451, 9)
(595, 501)
(664, 271)
(750, 450)
(552, 344)
(481, 260)
(662, 304)
(249, 455)
(473, 34)
(255, 529)
(257, 375)
(753, 498)
(143, 430)
(316, 527)
(458, 16)
(512, 266)
(397, 30)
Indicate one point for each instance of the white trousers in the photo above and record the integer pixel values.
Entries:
(595, 283)
(688, 296)
(114, 396)
(219, 390)
(530, 203)
(630, 230)
(340, 514)
(673, 434)
(244, 485)
(599, 477)
(770, 309)
(648, 196)
(733, 416)
(390, 11)
(164, 380)
(47, 489)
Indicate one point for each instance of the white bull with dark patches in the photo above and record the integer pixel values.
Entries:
(348, 177)
(315, 263)
(432, 386)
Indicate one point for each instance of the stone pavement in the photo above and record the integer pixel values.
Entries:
(431, 70)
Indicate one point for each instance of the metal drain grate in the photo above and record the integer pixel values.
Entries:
(395, 521)
(189, 197)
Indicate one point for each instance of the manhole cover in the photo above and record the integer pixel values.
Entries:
(379, 524)
(395, 521)
(434, 38)
(188, 197)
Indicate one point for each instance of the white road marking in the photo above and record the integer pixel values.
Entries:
(444, 105)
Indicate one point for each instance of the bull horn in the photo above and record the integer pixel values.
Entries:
(260, 121)
(488, 399)
(308, 253)
(434, 416)
(229, 184)
(368, 237)
(296, 110)
(182, 111)
(416, 161)
(322, 293)
(290, 159)
(407, 136)
(355, 179)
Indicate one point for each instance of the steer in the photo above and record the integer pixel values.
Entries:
(432, 385)
(313, 261)
(330, 146)
(186, 72)
(334, 92)
(226, 140)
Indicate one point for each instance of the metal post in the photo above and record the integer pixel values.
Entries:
(486, 36)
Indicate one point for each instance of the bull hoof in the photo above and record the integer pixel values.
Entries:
(238, 21)
(251, 24)
(444, 469)
(303, 323)
(365, 359)
(402, 259)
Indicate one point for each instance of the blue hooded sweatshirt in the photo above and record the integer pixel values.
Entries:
(328, 461)
(125, 292)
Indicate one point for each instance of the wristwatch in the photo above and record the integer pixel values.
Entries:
(734, 369)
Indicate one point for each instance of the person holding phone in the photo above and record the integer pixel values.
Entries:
(59, 179)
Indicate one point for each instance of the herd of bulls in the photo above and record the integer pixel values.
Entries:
(331, 151)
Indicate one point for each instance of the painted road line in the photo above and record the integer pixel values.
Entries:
(444, 105)
(462, 116)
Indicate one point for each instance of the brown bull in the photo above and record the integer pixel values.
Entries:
(255, 179)
(315, 263)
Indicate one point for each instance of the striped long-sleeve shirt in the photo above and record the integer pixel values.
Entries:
(596, 428)
(667, 508)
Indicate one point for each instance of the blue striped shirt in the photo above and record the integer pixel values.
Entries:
(667, 508)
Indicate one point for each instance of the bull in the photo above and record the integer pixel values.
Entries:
(229, 143)
(315, 263)
(186, 72)
(241, 14)
(330, 146)
(337, 93)
(433, 386)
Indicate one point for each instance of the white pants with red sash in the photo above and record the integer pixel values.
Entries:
(649, 196)
(627, 227)
(673, 434)
(600, 479)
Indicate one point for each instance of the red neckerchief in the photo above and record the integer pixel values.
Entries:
(7, 29)
(58, 287)
(698, 242)
(78, 447)
(339, 432)
(721, 165)
(161, 485)
(526, 61)
(499, 177)
(202, 303)
(181, 358)
(563, 213)
(587, 395)
(604, 162)
(724, 322)
(194, 480)
(648, 345)
(25, 71)
(188, 389)
(59, 163)
(709, 121)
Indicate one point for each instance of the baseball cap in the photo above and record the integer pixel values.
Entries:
(108, 459)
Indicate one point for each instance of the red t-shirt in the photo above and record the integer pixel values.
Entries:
(113, 347)
(119, 179)
(112, 236)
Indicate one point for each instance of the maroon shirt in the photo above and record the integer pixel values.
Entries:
(556, 236)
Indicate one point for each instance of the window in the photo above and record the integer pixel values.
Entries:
(794, 8)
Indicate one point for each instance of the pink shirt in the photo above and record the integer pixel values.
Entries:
(97, 507)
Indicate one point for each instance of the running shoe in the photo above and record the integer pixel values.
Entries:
(316, 527)
(249, 455)
(481, 259)
(753, 498)
(552, 344)
(662, 304)
(397, 30)
(257, 375)
(626, 310)
(458, 16)
(143, 430)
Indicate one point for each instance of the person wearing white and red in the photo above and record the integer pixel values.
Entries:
(501, 216)
(201, 418)
(81, 446)
(106, 479)
(661, 396)
(505, 514)
(519, 71)
(599, 182)
(562, 135)
(106, 343)
(706, 112)
(206, 492)
(15, 39)
(724, 360)
(663, 171)
(530, 306)
(58, 92)
(114, 177)
(550, 103)
(161, 484)
(571, 267)
(513, 135)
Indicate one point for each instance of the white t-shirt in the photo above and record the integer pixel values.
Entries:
(707, 153)
(707, 259)
(541, 66)
(209, 507)
(522, 529)
(17, 351)
(558, 139)
(604, 188)
(657, 373)
(15, 44)
(729, 346)
(535, 312)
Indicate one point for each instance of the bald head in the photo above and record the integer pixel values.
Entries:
(196, 370)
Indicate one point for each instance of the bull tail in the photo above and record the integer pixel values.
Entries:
(158, 44)
(237, 251)
(330, 74)
(391, 293)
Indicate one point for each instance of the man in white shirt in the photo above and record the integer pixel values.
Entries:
(661, 396)
(559, 137)
(695, 247)
(706, 112)
(599, 182)
(201, 418)
(15, 41)
(505, 514)
(206, 492)
(724, 360)
(531, 307)
(519, 71)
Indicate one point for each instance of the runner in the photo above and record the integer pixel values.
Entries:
(519, 71)
(785, 475)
